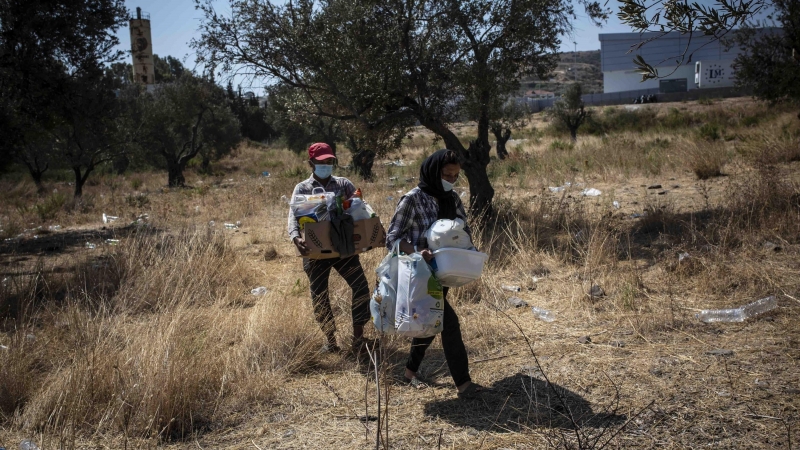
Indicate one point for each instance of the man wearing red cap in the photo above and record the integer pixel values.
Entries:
(321, 160)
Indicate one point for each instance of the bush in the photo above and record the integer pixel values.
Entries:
(709, 132)
(50, 207)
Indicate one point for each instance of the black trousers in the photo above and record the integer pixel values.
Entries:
(318, 271)
(454, 351)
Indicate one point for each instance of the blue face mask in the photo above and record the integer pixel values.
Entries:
(323, 171)
(446, 185)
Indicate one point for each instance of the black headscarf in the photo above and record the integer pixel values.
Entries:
(430, 182)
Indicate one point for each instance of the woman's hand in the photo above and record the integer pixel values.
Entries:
(427, 254)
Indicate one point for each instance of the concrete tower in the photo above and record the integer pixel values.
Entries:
(142, 48)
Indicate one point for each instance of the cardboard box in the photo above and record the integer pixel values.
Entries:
(367, 234)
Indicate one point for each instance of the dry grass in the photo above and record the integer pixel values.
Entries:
(158, 342)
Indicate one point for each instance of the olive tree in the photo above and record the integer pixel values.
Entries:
(375, 62)
(569, 110)
(185, 118)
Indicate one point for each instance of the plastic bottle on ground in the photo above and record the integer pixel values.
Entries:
(27, 444)
(261, 290)
(541, 313)
(739, 314)
(511, 288)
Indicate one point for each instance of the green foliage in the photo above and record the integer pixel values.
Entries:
(770, 66)
(184, 119)
(383, 63)
(50, 207)
(709, 132)
(569, 110)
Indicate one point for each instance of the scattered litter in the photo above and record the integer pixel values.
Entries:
(399, 191)
(584, 340)
(197, 209)
(616, 204)
(596, 291)
(637, 215)
(3, 347)
(556, 189)
(230, 226)
(398, 163)
(261, 290)
(517, 302)
(265, 174)
(91, 246)
(30, 337)
(683, 256)
(109, 219)
(211, 223)
(238, 223)
(463, 194)
(392, 178)
(112, 241)
(390, 198)
(739, 314)
(511, 288)
(284, 199)
(409, 180)
(54, 227)
(591, 192)
(28, 445)
(618, 344)
(288, 434)
(543, 314)
(720, 352)
(767, 245)
(654, 186)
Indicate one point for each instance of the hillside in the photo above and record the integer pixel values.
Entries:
(583, 66)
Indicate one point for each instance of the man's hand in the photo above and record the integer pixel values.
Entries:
(300, 243)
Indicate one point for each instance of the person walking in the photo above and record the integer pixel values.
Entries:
(417, 210)
(321, 160)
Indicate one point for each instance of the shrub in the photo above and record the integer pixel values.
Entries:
(706, 161)
(709, 132)
(49, 208)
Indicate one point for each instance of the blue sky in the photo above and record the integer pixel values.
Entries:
(174, 23)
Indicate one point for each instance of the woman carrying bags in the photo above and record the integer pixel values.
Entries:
(433, 199)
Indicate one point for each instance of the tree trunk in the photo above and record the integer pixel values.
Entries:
(362, 162)
(573, 134)
(175, 174)
(205, 165)
(79, 180)
(502, 136)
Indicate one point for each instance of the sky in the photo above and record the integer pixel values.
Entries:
(174, 23)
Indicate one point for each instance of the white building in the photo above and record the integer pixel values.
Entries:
(619, 71)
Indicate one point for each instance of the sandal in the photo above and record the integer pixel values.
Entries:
(473, 391)
(415, 382)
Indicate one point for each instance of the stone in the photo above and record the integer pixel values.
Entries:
(720, 352)
(585, 340)
(654, 186)
(596, 291)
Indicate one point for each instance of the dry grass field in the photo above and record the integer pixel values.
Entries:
(156, 340)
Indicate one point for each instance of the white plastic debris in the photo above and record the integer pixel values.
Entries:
(54, 227)
(591, 192)
(109, 219)
(739, 314)
(112, 241)
(90, 246)
(556, 189)
(211, 223)
(261, 290)
(230, 226)
(541, 313)
(238, 223)
(511, 288)
(683, 256)
(616, 204)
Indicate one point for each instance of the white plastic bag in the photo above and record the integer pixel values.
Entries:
(307, 205)
(419, 307)
(382, 304)
(447, 233)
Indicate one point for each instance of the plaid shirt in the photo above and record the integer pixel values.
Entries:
(416, 212)
(337, 185)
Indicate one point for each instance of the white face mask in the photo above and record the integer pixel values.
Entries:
(446, 185)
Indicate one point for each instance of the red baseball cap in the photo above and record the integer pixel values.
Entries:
(320, 151)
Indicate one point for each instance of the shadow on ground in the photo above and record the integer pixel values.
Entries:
(521, 402)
